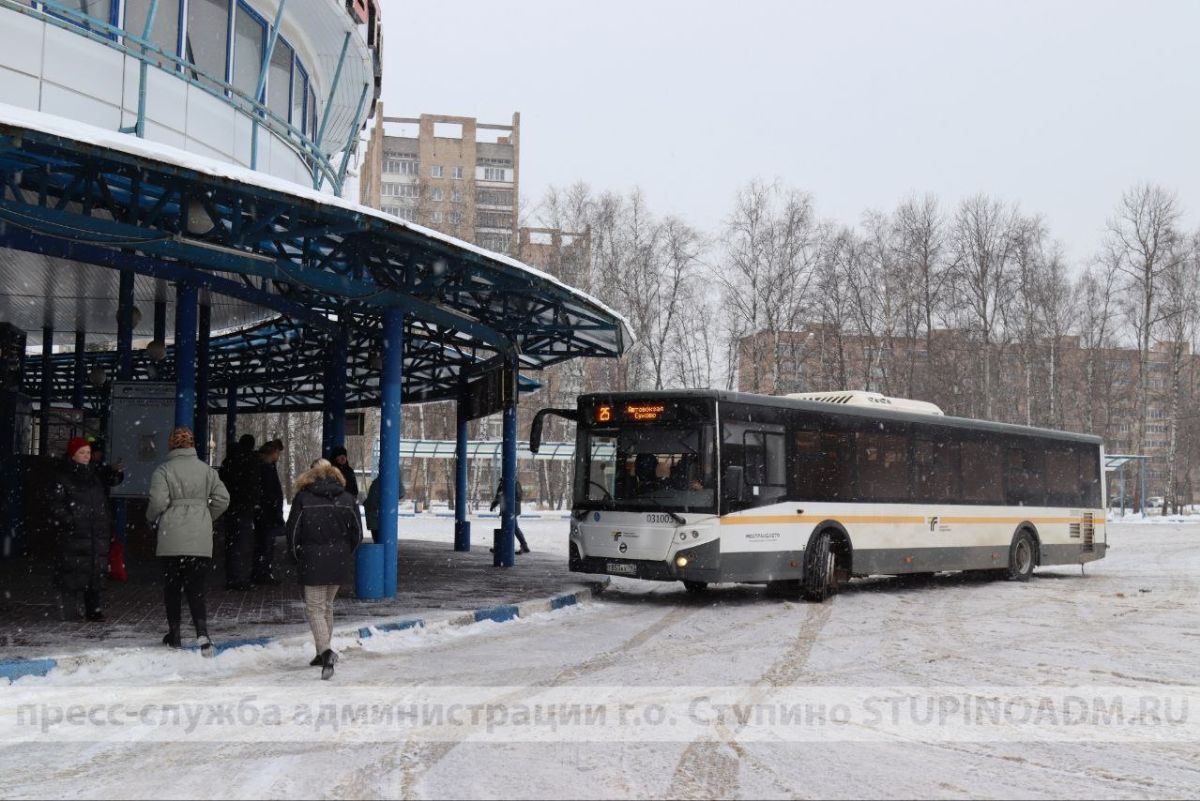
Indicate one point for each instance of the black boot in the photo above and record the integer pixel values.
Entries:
(172, 639)
(328, 660)
(317, 660)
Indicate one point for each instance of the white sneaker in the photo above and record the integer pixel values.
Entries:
(207, 650)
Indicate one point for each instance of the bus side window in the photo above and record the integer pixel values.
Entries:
(821, 466)
(1023, 475)
(937, 470)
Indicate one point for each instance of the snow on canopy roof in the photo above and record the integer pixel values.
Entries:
(131, 145)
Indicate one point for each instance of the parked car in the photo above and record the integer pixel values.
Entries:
(1154, 502)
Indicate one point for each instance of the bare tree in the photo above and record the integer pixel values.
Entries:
(921, 251)
(984, 243)
(1142, 244)
(771, 243)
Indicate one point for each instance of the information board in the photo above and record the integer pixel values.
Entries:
(141, 416)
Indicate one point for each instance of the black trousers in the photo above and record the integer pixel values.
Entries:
(92, 601)
(264, 551)
(520, 536)
(186, 575)
(239, 548)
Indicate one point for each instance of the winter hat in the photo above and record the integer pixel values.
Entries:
(246, 442)
(181, 437)
(75, 444)
(336, 452)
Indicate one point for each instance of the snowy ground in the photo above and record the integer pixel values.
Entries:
(1130, 626)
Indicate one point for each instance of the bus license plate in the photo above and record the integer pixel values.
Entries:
(623, 570)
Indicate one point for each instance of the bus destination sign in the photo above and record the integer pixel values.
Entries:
(634, 412)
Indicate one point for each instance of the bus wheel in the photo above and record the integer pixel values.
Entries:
(820, 570)
(695, 587)
(1021, 557)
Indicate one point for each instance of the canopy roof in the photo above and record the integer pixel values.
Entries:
(321, 266)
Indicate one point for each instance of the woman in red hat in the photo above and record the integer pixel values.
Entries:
(79, 509)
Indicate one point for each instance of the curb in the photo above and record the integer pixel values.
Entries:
(19, 668)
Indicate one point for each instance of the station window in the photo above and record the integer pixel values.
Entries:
(299, 92)
(279, 79)
(207, 35)
(100, 10)
(249, 43)
(165, 34)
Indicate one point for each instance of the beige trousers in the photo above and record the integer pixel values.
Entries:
(318, 605)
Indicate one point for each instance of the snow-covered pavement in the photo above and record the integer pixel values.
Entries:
(1130, 625)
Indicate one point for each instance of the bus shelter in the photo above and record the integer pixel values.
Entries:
(284, 299)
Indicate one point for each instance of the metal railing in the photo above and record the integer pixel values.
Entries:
(149, 54)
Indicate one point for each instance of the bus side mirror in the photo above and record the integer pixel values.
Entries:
(539, 420)
(733, 488)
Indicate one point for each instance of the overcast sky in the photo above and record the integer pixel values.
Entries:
(1059, 106)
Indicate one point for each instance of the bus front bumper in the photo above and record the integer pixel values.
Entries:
(699, 563)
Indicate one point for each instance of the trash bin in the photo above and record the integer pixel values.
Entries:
(368, 571)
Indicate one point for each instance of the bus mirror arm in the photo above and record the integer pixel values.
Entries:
(539, 419)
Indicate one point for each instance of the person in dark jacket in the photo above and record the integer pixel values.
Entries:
(371, 507)
(269, 518)
(498, 500)
(323, 531)
(341, 461)
(83, 527)
(241, 475)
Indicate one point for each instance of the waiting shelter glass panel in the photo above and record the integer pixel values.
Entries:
(165, 33)
(208, 37)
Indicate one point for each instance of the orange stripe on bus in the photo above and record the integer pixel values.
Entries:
(754, 520)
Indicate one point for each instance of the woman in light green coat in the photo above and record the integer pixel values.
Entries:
(186, 496)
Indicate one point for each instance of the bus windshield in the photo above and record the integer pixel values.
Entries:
(647, 468)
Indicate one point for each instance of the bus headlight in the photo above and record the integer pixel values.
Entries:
(681, 561)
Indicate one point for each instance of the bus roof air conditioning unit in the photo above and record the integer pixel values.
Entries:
(874, 399)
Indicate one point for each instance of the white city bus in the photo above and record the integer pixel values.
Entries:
(805, 491)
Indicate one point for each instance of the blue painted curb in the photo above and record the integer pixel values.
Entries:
(498, 614)
(17, 668)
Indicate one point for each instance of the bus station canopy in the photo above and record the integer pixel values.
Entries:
(288, 270)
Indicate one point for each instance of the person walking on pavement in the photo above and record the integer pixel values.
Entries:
(82, 525)
(269, 519)
(498, 500)
(241, 475)
(372, 504)
(323, 531)
(341, 461)
(111, 476)
(186, 496)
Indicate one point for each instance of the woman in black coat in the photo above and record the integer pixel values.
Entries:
(82, 526)
(323, 531)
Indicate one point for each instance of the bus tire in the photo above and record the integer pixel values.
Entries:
(695, 587)
(1022, 557)
(820, 570)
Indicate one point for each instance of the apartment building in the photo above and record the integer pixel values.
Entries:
(453, 174)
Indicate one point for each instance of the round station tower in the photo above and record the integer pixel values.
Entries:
(279, 86)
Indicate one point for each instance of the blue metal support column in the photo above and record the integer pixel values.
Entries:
(124, 373)
(202, 368)
(389, 443)
(462, 523)
(333, 422)
(79, 385)
(505, 553)
(185, 355)
(47, 390)
(231, 411)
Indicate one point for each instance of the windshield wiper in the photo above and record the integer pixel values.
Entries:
(677, 518)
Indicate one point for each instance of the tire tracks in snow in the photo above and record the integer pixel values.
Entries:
(425, 756)
(707, 768)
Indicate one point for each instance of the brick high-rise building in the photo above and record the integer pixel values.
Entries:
(451, 176)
